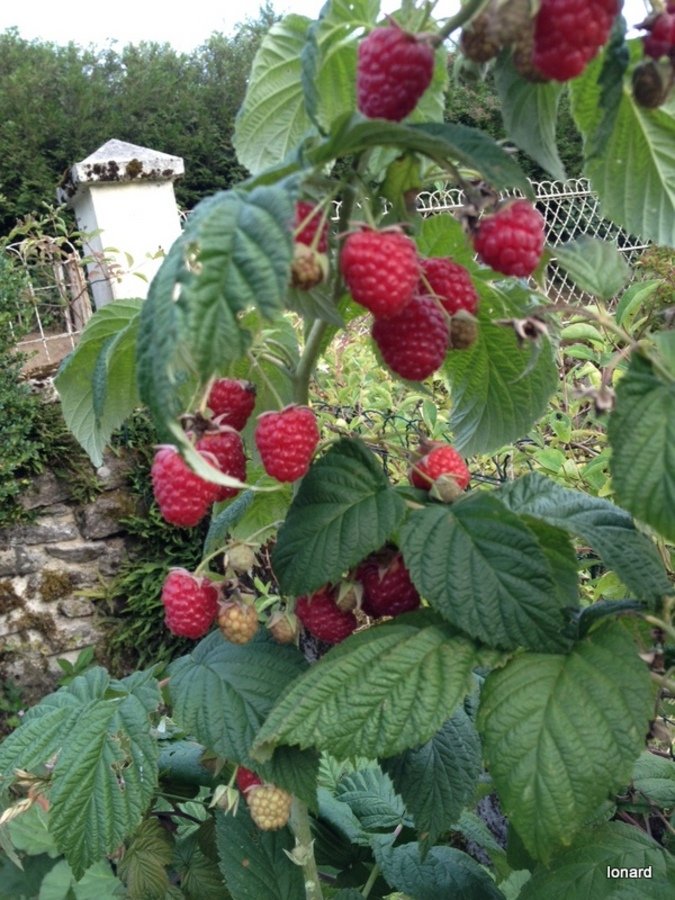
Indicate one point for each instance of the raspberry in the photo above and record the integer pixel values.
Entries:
(652, 82)
(381, 270)
(450, 282)
(441, 460)
(661, 38)
(569, 33)
(387, 588)
(190, 603)
(246, 779)
(286, 441)
(270, 807)
(238, 621)
(231, 401)
(308, 220)
(394, 69)
(511, 240)
(480, 41)
(322, 618)
(284, 627)
(414, 343)
(182, 496)
(228, 449)
(463, 331)
(308, 268)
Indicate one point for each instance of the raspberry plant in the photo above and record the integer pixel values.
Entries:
(448, 659)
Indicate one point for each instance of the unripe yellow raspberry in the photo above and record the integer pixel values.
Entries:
(269, 806)
(238, 621)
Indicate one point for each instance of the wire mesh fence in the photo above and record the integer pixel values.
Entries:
(57, 301)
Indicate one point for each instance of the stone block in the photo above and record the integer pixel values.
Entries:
(8, 563)
(101, 518)
(46, 490)
(77, 551)
(46, 530)
(114, 473)
(75, 608)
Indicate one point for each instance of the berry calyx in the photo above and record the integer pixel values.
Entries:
(450, 283)
(231, 401)
(511, 240)
(238, 621)
(660, 40)
(414, 343)
(441, 461)
(190, 603)
(380, 269)
(387, 587)
(394, 69)
(182, 496)
(569, 33)
(227, 447)
(309, 222)
(322, 618)
(269, 805)
(286, 441)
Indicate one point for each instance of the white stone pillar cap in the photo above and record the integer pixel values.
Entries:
(118, 162)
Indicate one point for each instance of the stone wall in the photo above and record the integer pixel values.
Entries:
(46, 568)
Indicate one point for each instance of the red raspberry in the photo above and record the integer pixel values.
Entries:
(310, 215)
(182, 496)
(441, 460)
(286, 441)
(381, 270)
(190, 603)
(231, 401)
(451, 283)
(661, 38)
(227, 447)
(569, 33)
(511, 240)
(414, 343)
(394, 69)
(246, 779)
(387, 588)
(322, 618)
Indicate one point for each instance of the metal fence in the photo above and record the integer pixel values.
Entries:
(58, 301)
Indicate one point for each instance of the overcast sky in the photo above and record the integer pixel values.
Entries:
(132, 21)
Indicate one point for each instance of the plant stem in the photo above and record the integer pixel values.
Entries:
(468, 11)
(304, 849)
(372, 878)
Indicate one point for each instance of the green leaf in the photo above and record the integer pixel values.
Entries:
(641, 432)
(254, 863)
(498, 388)
(562, 558)
(654, 777)
(370, 795)
(407, 678)
(94, 407)
(529, 112)
(633, 175)
(200, 877)
(97, 882)
(594, 265)
(581, 871)
(143, 866)
(442, 234)
(30, 833)
(633, 299)
(18, 884)
(444, 873)
(344, 509)
(222, 692)
(604, 526)
(484, 570)
(437, 779)
(570, 739)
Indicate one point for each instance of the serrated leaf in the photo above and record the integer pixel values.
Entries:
(529, 112)
(562, 558)
(633, 299)
(633, 175)
(654, 777)
(445, 872)
(581, 871)
(222, 692)
(104, 356)
(641, 432)
(200, 877)
(143, 866)
(595, 266)
(607, 528)
(30, 833)
(442, 234)
(254, 863)
(97, 882)
(498, 388)
(572, 737)
(473, 828)
(437, 778)
(483, 569)
(16, 883)
(341, 818)
(370, 795)
(223, 521)
(344, 509)
(407, 678)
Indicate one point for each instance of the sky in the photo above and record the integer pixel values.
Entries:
(131, 21)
